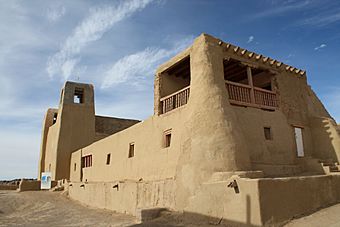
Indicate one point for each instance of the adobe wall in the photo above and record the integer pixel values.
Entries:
(77, 125)
(124, 196)
(32, 185)
(51, 149)
(276, 157)
(151, 161)
(29, 185)
(111, 125)
(298, 107)
(75, 166)
(47, 122)
(326, 138)
(8, 187)
(255, 204)
(284, 198)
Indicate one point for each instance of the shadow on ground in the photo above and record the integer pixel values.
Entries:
(187, 219)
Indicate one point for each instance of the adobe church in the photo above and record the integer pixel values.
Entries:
(235, 136)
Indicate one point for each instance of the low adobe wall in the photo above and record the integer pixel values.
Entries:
(257, 201)
(284, 198)
(32, 185)
(29, 185)
(8, 187)
(124, 196)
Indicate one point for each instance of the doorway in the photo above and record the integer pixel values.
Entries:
(299, 142)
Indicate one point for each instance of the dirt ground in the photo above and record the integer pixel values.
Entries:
(53, 209)
(46, 208)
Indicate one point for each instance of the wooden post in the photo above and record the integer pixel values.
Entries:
(250, 82)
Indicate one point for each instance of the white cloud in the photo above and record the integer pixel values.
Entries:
(282, 8)
(89, 30)
(320, 47)
(55, 13)
(68, 66)
(321, 20)
(250, 39)
(140, 65)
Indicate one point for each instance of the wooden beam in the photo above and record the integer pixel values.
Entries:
(235, 75)
(235, 70)
(181, 70)
(231, 67)
(250, 82)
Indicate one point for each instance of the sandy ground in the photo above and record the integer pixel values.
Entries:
(54, 209)
(327, 217)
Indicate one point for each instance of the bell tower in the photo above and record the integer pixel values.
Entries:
(72, 128)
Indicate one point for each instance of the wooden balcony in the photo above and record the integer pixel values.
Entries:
(175, 100)
(246, 95)
(239, 94)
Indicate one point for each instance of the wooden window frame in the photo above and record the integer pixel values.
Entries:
(131, 150)
(86, 161)
(166, 138)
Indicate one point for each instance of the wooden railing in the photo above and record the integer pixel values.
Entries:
(241, 94)
(265, 98)
(175, 100)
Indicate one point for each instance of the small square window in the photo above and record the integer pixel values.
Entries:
(78, 96)
(55, 116)
(167, 138)
(268, 133)
(131, 150)
(108, 159)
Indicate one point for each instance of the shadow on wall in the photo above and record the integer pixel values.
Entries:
(326, 139)
(175, 219)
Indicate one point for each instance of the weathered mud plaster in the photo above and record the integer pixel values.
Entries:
(234, 135)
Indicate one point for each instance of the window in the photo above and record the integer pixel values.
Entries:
(108, 159)
(75, 167)
(131, 150)
(268, 133)
(86, 161)
(55, 118)
(78, 96)
(167, 138)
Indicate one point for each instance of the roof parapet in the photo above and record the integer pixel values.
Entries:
(260, 57)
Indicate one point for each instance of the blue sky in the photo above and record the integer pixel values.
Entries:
(117, 45)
